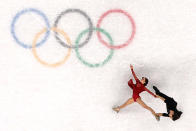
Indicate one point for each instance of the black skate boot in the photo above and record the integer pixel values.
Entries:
(156, 89)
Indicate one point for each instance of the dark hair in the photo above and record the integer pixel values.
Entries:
(176, 115)
(146, 81)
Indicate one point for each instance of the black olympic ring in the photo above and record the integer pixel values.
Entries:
(74, 11)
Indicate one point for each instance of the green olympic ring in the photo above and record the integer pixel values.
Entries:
(82, 59)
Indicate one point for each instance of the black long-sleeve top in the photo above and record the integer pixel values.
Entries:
(171, 105)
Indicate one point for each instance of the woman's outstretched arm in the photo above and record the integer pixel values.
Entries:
(150, 92)
(135, 77)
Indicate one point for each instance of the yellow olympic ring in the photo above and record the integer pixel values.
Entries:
(35, 52)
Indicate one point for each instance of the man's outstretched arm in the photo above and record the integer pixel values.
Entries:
(163, 114)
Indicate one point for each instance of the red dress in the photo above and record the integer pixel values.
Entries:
(138, 87)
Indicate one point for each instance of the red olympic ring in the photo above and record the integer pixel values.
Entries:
(130, 38)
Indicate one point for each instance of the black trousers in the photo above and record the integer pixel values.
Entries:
(163, 95)
(170, 102)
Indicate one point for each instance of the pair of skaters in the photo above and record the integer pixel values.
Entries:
(139, 87)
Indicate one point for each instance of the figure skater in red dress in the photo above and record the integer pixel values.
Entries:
(138, 88)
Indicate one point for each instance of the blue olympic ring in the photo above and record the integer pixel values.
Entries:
(17, 16)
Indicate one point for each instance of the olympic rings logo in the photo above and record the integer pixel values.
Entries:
(77, 43)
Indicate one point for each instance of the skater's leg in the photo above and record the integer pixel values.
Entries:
(128, 102)
(163, 95)
(139, 101)
(160, 94)
(163, 99)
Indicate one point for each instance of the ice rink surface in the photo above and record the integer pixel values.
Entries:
(76, 97)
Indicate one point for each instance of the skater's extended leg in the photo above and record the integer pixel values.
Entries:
(163, 99)
(139, 101)
(128, 102)
(160, 94)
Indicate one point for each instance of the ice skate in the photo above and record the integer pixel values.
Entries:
(116, 109)
(156, 89)
(157, 118)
